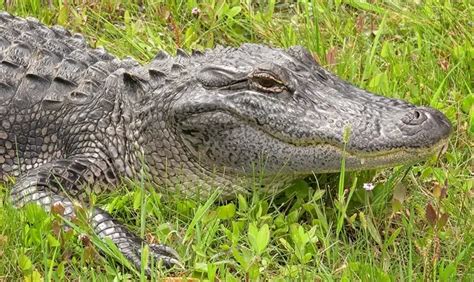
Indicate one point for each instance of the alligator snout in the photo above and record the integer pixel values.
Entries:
(427, 121)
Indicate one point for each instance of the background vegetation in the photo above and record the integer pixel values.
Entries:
(417, 224)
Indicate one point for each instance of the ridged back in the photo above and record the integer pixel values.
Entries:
(39, 63)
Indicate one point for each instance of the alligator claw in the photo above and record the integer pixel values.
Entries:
(167, 255)
(158, 253)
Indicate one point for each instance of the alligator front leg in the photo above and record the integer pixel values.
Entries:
(62, 181)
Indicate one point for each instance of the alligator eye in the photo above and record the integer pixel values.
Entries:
(267, 82)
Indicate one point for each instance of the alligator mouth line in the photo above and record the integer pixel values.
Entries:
(391, 155)
(436, 147)
(380, 159)
(363, 154)
(375, 159)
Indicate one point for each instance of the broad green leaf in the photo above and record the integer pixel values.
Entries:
(226, 212)
(386, 52)
(259, 238)
(35, 276)
(53, 242)
(318, 194)
(243, 205)
(24, 262)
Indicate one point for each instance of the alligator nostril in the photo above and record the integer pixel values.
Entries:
(415, 117)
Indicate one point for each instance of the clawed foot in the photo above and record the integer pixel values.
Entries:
(131, 246)
(167, 255)
(158, 253)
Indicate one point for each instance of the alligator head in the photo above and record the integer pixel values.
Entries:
(279, 112)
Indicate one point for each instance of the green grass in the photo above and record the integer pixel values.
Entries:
(319, 229)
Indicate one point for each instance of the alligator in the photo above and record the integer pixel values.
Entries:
(75, 120)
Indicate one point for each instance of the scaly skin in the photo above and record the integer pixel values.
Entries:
(74, 118)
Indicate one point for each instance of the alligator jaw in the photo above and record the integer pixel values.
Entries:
(331, 160)
(271, 155)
